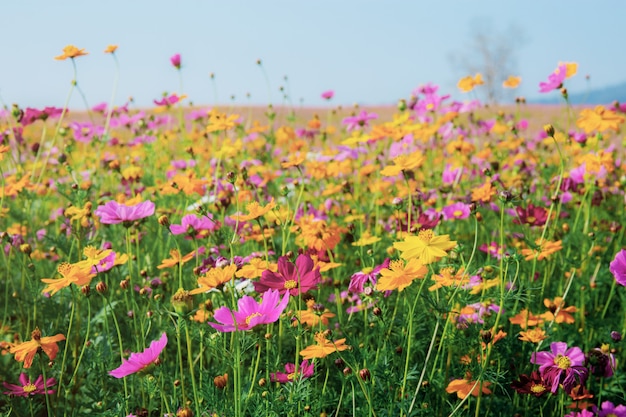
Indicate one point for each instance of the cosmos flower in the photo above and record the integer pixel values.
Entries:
(427, 247)
(467, 84)
(512, 82)
(456, 211)
(561, 365)
(555, 80)
(194, 226)
(295, 279)
(25, 352)
(358, 279)
(399, 276)
(70, 51)
(114, 213)
(138, 362)
(533, 385)
(175, 60)
(618, 267)
(323, 347)
(110, 49)
(305, 371)
(327, 95)
(251, 313)
(466, 386)
(608, 409)
(355, 122)
(78, 274)
(27, 388)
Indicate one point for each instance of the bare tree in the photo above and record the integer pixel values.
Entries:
(493, 55)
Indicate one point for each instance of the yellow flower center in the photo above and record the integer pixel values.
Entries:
(537, 389)
(292, 376)
(530, 219)
(562, 362)
(251, 316)
(29, 388)
(289, 284)
(425, 235)
(457, 213)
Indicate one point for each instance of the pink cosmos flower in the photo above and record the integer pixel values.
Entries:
(175, 60)
(138, 362)
(195, 227)
(27, 388)
(305, 371)
(250, 313)
(456, 211)
(114, 213)
(328, 94)
(618, 267)
(359, 279)
(355, 122)
(84, 132)
(295, 279)
(169, 100)
(561, 366)
(555, 80)
(608, 409)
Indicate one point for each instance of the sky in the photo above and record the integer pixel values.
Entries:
(368, 52)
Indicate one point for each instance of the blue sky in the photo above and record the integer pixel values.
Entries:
(369, 52)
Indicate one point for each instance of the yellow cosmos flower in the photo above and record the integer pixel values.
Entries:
(176, 259)
(77, 274)
(110, 49)
(467, 84)
(25, 352)
(403, 163)
(599, 119)
(426, 246)
(366, 239)
(255, 210)
(255, 268)
(544, 249)
(512, 82)
(214, 278)
(399, 276)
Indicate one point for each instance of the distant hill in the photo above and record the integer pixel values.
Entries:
(605, 95)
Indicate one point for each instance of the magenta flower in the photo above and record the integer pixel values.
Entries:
(169, 100)
(27, 388)
(114, 213)
(250, 313)
(175, 60)
(456, 211)
(305, 371)
(555, 80)
(328, 94)
(561, 366)
(84, 132)
(359, 279)
(193, 226)
(532, 215)
(618, 267)
(355, 122)
(138, 362)
(296, 279)
(608, 409)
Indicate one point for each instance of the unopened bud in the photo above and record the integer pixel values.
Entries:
(549, 129)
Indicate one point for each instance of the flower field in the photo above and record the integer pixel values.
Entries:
(445, 258)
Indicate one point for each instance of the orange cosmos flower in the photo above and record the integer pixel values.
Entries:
(485, 192)
(311, 317)
(110, 49)
(512, 82)
(448, 278)
(323, 347)
(599, 119)
(255, 211)
(399, 276)
(534, 335)
(464, 387)
(294, 160)
(562, 313)
(176, 259)
(25, 352)
(214, 278)
(467, 84)
(427, 247)
(77, 274)
(70, 51)
(544, 249)
(525, 318)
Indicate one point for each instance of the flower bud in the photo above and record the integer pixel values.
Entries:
(365, 374)
(182, 301)
(549, 129)
(221, 381)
